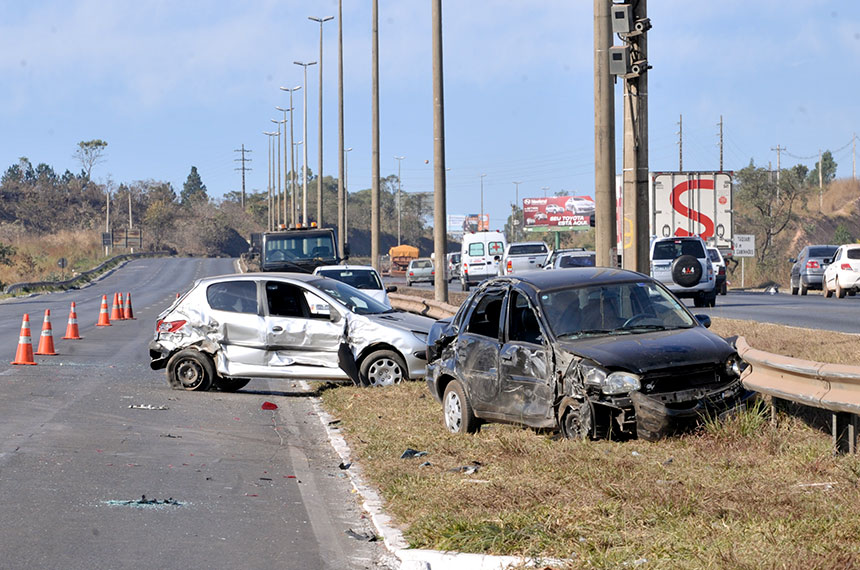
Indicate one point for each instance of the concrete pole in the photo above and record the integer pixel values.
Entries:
(481, 219)
(346, 195)
(277, 173)
(374, 161)
(440, 227)
(292, 160)
(341, 166)
(606, 254)
(305, 145)
(399, 198)
(320, 126)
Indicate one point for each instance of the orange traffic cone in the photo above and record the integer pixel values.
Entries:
(128, 314)
(46, 339)
(116, 312)
(72, 332)
(104, 321)
(24, 355)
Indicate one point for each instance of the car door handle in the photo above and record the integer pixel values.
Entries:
(276, 328)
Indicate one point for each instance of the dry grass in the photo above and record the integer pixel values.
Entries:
(737, 494)
(36, 257)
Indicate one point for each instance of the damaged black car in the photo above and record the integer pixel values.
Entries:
(593, 352)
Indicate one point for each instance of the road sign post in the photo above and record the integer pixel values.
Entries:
(744, 247)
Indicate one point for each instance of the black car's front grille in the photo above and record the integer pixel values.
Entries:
(680, 379)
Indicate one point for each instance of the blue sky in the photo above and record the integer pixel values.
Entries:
(171, 83)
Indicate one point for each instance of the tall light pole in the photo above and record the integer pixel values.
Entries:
(305, 147)
(320, 150)
(516, 205)
(440, 229)
(292, 159)
(341, 166)
(481, 219)
(345, 194)
(270, 224)
(278, 172)
(374, 138)
(286, 172)
(399, 197)
(297, 144)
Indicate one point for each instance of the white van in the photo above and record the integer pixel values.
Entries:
(480, 257)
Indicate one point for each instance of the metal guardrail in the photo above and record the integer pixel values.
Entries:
(81, 277)
(427, 307)
(832, 387)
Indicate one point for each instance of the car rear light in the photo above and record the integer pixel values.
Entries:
(846, 266)
(510, 266)
(411, 273)
(433, 272)
(812, 264)
(168, 326)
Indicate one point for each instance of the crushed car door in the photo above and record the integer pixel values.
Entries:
(235, 311)
(299, 329)
(525, 391)
(478, 349)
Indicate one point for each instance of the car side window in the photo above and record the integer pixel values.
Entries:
(523, 325)
(486, 315)
(476, 249)
(317, 307)
(233, 296)
(285, 300)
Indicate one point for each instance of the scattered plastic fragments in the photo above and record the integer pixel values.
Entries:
(344, 466)
(144, 503)
(171, 436)
(425, 464)
(147, 407)
(269, 406)
(467, 469)
(410, 453)
(362, 536)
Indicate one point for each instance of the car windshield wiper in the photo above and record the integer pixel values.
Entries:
(587, 332)
(647, 327)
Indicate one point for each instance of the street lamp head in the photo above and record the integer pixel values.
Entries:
(282, 109)
(347, 149)
(293, 89)
(321, 20)
(305, 64)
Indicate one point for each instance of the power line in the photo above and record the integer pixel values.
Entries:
(243, 168)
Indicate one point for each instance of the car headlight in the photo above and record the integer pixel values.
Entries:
(733, 366)
(611, 383)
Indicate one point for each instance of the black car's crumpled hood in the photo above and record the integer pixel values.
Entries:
(642, 352)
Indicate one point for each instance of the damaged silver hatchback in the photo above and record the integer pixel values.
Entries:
(228, 329)
(593, 352)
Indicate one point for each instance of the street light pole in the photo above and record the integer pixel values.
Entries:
(298, 166)
(516, 205)
(292, 159)
(399, 197)
(305, 147)
(341, 167)
(286, 172)
(278, 170)
(320, 150)
(345, 194)
(481, 219)
(270, 222)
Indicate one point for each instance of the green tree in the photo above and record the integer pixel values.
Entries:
(842, 235)
(193, 190)
(828, 170)
(89, 154)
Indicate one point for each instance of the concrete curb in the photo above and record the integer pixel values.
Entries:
(410, 559)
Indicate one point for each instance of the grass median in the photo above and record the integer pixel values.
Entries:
(738, 494)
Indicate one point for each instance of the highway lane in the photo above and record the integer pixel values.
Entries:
(258, 488)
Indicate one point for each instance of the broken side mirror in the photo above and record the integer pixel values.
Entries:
(704, 320)
(391, 289)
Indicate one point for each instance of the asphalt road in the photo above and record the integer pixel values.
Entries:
(79, 448)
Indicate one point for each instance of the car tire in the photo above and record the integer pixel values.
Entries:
(231, 384)
(826, 290)
(711, 300)
(577, 420)
(794, 289)
(724, 289)
(190, 370)
(803, 289)
(852, 292)
(464, 285)
(383, 368)
(457, 411)
(408, 283)
(686, 271)
(698, 301)
(840, 292)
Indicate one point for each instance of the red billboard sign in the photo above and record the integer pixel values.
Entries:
(551, 212)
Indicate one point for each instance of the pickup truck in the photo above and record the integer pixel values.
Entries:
(524, 256)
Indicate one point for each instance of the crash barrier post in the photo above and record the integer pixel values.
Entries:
(832, 387)
(24, 354)
(72, 332)
(46, 338)
(427, 307)
(104, 320)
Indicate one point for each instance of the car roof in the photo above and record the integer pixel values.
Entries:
(526, 243)
(304, 277)
(545, 280)
(344, 266)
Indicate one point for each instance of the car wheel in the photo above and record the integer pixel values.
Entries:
(577, 421)
(190, 369)
(698, 301)
(711, 301)
(408, 283)
(840, 292)
(803, 289)
(724, 289)
(231, 384)
(686, 271)
(459, 417)
(794, 290)
(852, 292)
(827, 292)
(383, 368)
(464, 285)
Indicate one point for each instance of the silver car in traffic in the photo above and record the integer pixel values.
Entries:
(231, 328)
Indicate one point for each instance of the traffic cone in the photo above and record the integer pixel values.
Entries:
(72, 332)
(104, 321)
(24, 355)
(46, 339)
(128, 314)
(116, 312)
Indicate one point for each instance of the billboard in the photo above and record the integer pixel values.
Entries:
(557, 213)
(475, 223)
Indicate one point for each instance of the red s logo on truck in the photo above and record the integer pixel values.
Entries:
(694, 215)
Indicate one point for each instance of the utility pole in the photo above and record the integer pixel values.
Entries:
(721, 143)
(305, 145)
(481, 219)
(820, 182)
(399, 197)
(277, 171)
(680, 143)
(440, 227)
(243, 168)
(292, 159)
(854, 157)
(320, 150)
(779, 150)
(605, 238)
(635, 227)
(516, 219)
(341, 159)
(374, 159)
